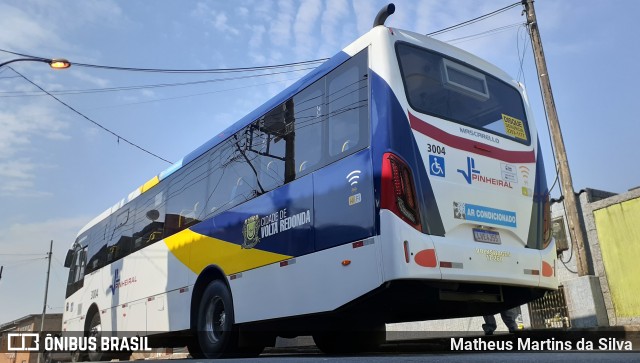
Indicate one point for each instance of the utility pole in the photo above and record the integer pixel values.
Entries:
(46, 292)
(570, 205)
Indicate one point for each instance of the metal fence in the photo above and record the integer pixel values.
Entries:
(550, 311)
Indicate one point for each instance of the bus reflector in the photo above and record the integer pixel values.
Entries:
(346, 262)
(235, 276)
(447, 264)
(427, 258)
(287, 262)
(398, 191)
(531, 272)
(547, 270)
(358, 244)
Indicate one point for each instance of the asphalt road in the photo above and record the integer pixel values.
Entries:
(582, 357)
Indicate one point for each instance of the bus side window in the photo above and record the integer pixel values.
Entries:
(185, 198)
(310, 117)
(97, 246)
(347, 106)
(119, 242)
(77, 270)
(149, 220)
(267, 150)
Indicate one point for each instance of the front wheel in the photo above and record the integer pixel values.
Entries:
(95, 330)
(215, 333)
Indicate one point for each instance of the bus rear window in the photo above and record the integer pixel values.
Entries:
(454, 91)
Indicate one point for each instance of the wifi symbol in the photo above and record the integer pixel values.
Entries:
(353, 177)
(525, 173)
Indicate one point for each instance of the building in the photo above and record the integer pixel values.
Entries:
(26, 324)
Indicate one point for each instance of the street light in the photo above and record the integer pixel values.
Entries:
(55, 63)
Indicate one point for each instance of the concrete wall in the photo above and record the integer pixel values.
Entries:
(584, 295)
(617, 254)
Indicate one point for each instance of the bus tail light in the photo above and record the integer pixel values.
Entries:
(398, 191)
(546, 222)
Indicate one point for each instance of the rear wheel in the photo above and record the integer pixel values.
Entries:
(216, 336)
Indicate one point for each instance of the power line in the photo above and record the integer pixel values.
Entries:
(92, 121)
(474, 20)
(484, 33)
(20, 254)
(168, 70)
(6, 94)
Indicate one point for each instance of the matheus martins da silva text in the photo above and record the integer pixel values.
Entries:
(524, 344)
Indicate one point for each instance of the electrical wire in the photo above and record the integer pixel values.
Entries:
(483, 34)
(168, 70)
(20, 254)
(7, 94)
(193, 94)
(521, 58)
(24, 262)
(92, 121)
(474, 20)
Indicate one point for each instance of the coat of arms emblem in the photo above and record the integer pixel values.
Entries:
(250, 231)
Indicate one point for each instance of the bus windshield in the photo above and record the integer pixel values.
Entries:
(444, 88)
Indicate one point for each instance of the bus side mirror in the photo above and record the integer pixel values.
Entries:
(68, 259)
(153, 215)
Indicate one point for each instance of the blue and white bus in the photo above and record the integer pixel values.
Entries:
(401, 180)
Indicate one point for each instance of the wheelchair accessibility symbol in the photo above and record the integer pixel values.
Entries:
(436, 165)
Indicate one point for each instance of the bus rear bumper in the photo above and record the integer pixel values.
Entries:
(410, 254)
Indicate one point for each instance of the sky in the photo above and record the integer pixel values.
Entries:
(58, 170)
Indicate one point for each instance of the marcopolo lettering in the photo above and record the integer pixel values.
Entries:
(481, 135)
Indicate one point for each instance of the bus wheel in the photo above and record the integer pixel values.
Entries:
(76, 356)
(350, 341)
(95, 330)
(216, 334)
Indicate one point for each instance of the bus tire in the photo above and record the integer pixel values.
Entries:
(350, 340)
(216, 334)
(95, 330)
(77, 356)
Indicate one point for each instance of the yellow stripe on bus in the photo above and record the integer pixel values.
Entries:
(197, 251)
(150, 184)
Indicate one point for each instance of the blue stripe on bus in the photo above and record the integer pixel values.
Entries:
(287, 201)
(170, 170)
(392, 133)
(540, 191)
